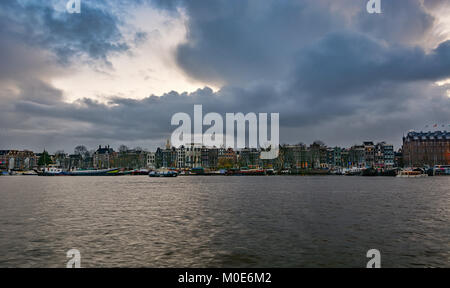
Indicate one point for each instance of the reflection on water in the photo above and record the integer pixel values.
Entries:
(277, 221)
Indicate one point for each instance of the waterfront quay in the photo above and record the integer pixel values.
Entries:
(426, 151)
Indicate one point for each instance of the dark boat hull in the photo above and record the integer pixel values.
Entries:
(169, 174)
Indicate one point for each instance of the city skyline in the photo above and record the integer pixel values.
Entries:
(419, 149)
(117, 72)
(123, 147)
(163, 143)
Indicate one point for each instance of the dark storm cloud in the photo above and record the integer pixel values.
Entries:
(237, 41)
(240, 41)
(94, 33)
(332, 71)
(349, 62)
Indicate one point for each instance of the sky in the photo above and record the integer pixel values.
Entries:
(116, 73)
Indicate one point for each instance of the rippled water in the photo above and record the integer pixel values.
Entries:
(277, 221)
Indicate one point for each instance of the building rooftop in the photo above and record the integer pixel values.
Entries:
(430, 135)
(104, 150)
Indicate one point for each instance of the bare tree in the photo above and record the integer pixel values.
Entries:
(81, 150)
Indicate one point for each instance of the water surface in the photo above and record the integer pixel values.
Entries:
(277, 221)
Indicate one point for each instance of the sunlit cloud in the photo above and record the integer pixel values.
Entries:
(443, 82)
(440, 32)
(148, 68)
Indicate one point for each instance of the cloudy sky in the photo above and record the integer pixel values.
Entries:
(117, 72)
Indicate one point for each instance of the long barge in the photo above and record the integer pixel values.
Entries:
(53, 171)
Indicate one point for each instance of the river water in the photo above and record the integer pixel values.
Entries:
(276, 221)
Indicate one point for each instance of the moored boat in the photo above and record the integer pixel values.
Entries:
(154, 174)
(102, 172)
(354, 171)
(246, 172)
(52, 171)
(440, 170)
(169, 173)
(369, 172)
(56, 171)
(29, 173)
(411, 174)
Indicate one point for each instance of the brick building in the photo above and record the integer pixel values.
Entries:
(426, 149)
